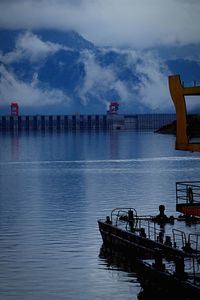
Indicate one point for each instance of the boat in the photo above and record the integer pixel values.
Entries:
(166, 261)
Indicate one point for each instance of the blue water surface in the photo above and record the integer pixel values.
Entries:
(54, 186)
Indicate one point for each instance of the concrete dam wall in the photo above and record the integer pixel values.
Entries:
(84, 122)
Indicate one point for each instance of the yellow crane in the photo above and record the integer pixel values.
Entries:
(178, 93)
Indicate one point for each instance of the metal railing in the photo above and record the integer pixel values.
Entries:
(188, 192)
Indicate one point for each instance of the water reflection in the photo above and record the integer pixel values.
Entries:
(134, 273)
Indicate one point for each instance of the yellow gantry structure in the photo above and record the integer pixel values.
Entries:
(178, 93)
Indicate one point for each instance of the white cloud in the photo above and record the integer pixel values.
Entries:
(28, 94)
(97, 79)
(31, 47)
(135, 23)
(100, 80)
(152, 90)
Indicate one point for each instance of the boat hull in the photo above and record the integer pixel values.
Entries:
(134, 245)
(154, 280)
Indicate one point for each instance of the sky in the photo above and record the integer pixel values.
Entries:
(120, 24)
(123, 23)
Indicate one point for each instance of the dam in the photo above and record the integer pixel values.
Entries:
(85, 122)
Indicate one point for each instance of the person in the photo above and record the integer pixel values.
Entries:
(108, 220)
(142, 233)
(161, 218)
(190, 195)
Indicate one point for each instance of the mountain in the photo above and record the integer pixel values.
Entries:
(71, 39)
(188, 68)
(51, 71)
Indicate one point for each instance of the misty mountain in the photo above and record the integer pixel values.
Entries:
(53, 71)
(70, 39)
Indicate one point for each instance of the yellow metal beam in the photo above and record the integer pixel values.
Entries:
(178, 93)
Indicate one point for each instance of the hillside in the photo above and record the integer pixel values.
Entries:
(55, 71)
(193, 127)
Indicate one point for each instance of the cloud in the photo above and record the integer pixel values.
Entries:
(28, 94)
(97, 79)
(139, 24)
(100, 81)
(151, 91)
(31, 47)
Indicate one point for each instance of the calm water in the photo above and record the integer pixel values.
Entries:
(54, 187)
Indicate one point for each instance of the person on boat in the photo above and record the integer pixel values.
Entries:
(143, 233)
(190, 195)
(108, 220)
(161, 218)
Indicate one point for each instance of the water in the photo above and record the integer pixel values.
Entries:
(54, 187)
